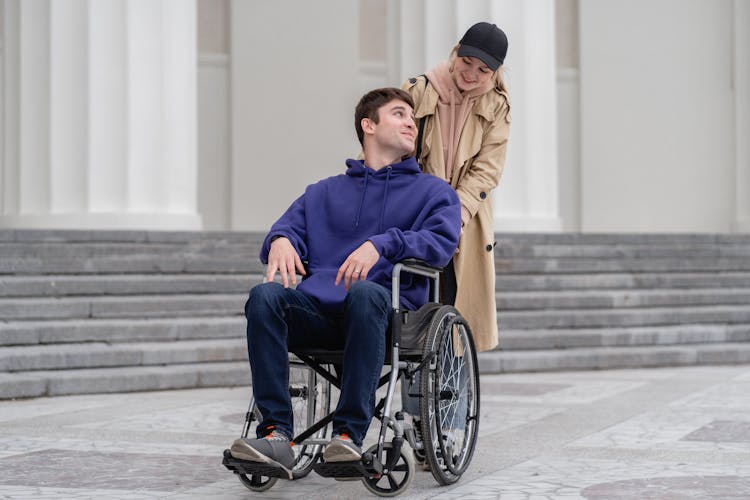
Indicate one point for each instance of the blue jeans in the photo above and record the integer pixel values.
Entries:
(282, 319)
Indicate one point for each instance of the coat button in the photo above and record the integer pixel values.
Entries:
(489, 248)
(483, 195)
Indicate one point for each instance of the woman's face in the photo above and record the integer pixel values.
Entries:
(470, 73)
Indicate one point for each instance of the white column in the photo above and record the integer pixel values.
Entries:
(100, 115)
(527, 197)
(426, 31)
(742, 113)
(421, 33)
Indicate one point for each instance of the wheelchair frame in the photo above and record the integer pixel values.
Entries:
(449, 389)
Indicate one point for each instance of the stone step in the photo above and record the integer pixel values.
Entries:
(629, 265)
(249, 263)
(74, 235)
(535, 309)
(621, 251)
(615, 281)
(132, 264)
(78, 250)
(133, 284)
(600, 358)
(100, 354)
(233, 328)
(637, 316)
(125, 284)
(123, 256)
(236, 373)
(159, 305)
(517, 340)
(621, 238)
(121, 330)
(614, 299)
(249, 246)
(123, 379)
(138, 306)
(48, 236)
(165, 283)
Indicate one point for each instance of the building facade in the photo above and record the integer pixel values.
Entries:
(172, 114)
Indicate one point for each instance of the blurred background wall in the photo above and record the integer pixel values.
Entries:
(628, 116)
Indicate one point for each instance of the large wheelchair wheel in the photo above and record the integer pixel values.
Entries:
(311, 401)
(449, 406)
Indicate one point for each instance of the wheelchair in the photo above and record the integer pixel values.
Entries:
(431, 348)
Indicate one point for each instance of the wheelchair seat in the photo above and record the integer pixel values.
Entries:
(415, 326)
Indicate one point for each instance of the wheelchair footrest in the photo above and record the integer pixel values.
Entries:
(253, 468)
(355, 469)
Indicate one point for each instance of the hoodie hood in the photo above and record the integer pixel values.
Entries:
(357, 168)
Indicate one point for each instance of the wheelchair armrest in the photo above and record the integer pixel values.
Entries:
(419, 264)
(413, 266)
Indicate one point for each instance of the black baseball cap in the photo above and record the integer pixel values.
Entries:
(486, 42)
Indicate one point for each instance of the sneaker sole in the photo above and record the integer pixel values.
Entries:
(341, 454)
(241, 451)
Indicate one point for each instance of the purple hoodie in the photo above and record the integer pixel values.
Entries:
(402, 211)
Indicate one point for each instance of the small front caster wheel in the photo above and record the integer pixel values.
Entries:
(256, 482)
(394, 481)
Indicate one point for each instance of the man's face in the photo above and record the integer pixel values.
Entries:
(396, 129)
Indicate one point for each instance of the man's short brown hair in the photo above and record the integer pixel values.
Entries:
(372, 101)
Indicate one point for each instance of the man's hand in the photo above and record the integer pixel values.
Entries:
(358, 264)
(282, 257)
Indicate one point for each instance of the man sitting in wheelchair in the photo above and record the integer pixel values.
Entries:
(351, 229)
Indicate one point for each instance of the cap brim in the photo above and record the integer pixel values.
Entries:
(469, 51)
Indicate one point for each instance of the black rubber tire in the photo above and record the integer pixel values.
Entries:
(256, 482)
(449, 406)
(395, 481)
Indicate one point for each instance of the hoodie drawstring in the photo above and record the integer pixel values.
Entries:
(362, 201)
(385, 199)
(388, 172)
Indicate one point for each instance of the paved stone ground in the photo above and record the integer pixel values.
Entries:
(630, 434)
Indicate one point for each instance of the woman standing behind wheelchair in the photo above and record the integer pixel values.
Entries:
(462, 111)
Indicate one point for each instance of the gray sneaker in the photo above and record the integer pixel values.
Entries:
(274, 449)
(342, 449)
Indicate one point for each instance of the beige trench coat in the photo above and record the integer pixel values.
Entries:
(480, 159)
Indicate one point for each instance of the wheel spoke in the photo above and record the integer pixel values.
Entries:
(392, 481)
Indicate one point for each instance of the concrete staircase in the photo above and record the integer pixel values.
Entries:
(85, 312)
(572, 301)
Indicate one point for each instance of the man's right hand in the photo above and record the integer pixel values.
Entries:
(282, 257)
